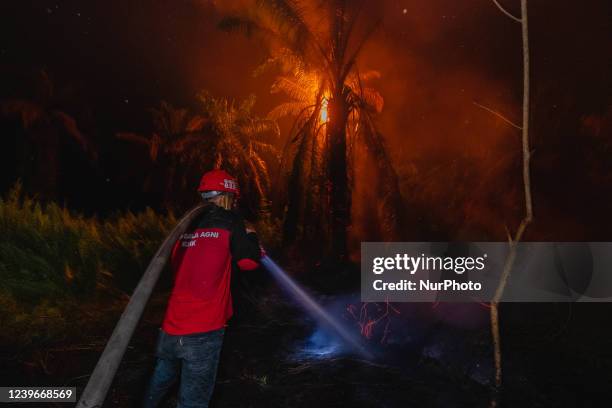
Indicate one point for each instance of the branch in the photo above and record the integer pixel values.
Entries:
(351, 61)
(133, 137)
(499, 115)
(527, 219)
(503, 10)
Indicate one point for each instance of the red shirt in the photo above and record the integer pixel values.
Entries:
(201, 259)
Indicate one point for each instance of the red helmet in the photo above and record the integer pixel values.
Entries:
(219, 180)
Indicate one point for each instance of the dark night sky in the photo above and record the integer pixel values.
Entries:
(126, 56)
(436, 57)
(141, 51)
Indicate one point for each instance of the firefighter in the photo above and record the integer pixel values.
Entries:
(200, 305)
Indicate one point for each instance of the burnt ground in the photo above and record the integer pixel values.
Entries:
(274, 356)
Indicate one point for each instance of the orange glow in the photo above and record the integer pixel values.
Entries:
(323, 114)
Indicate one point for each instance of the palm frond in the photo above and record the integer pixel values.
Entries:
(188, 142)
(288, 17)
(391, 199)
(70, 126)
(247, 104)
(266, 148)
(259, 129)
(29, 112)
(348, 66)
(240, 24)
(170, 121)
(287, 109)
(262, 169)
(297, 88)
(195, 123)
(372, 98)
(283, 58)
(134, 138)
(369, 75)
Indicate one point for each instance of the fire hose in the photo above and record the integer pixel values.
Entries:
(97, 387)
(95, 391)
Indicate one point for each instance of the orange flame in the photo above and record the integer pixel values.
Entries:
(323, 117)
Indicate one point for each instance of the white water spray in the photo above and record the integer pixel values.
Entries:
(313, 308)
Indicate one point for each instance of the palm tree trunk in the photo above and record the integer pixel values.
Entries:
(295, 193)
(340, 200)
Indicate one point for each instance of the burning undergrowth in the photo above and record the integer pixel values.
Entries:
(402, 335)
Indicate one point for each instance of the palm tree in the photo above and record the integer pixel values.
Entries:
(242, 143)
(175, 132)
(317, 44)
(223, 134)
(45, 127)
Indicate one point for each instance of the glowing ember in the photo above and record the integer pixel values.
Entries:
(332, 324)
(367, 320)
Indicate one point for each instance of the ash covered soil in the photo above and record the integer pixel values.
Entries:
(424, 355)
(274, 355)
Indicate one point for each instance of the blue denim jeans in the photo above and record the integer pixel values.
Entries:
(195, 358)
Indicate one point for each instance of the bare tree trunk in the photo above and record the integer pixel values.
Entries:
(528, 217)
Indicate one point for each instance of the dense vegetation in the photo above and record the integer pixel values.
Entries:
(52, 259)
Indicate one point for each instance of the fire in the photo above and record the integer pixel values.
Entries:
(367, 320)
(323, 113)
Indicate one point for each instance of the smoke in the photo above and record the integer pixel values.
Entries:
(449, 153)
(396, 333)
(458, 164)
